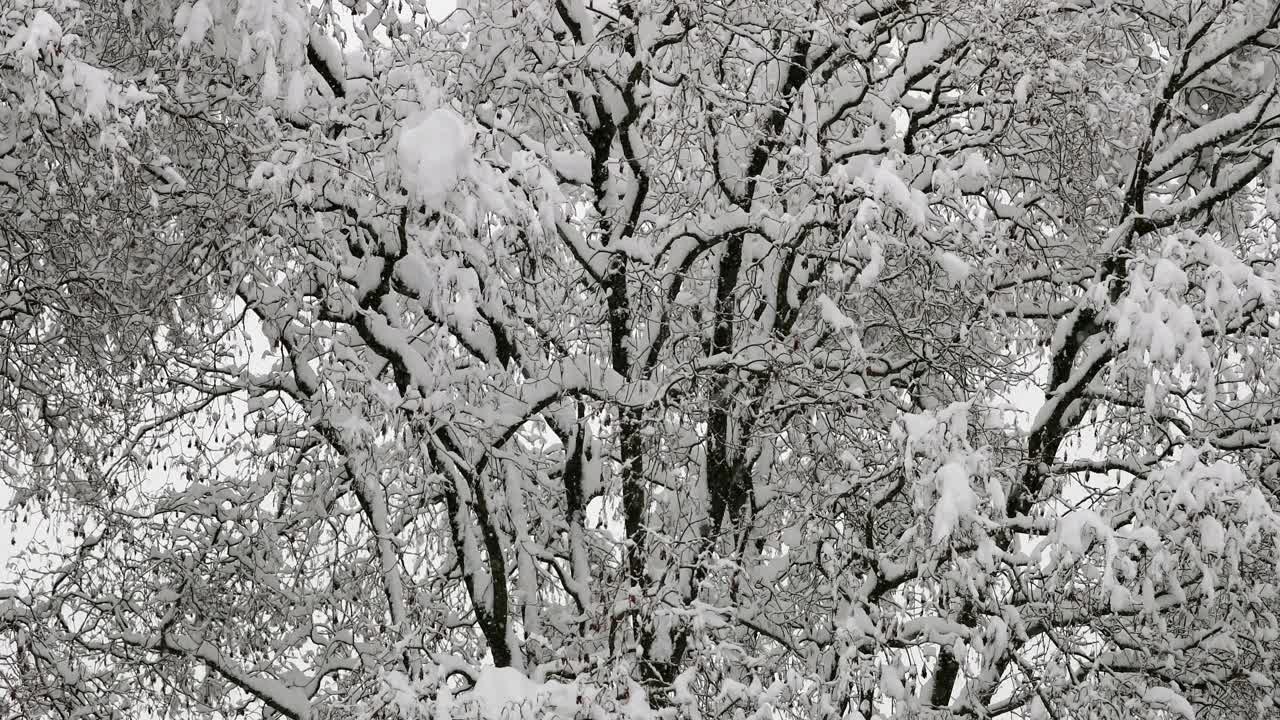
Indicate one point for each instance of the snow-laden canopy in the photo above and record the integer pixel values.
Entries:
(652, 359)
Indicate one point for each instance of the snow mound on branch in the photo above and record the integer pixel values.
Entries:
(434, 153)
(498, 694)
(1213, 537)
(194, 22)
(505, 692)
(42, 32)
(957, 270)
(934, 433)
(974, 174)
(887, 184)
(875, 263)
(956, 500)
(833, 316)
(1074, 526)
(1169, 701)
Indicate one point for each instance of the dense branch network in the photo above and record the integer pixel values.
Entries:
(655, 359)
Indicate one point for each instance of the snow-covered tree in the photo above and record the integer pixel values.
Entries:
(607, 359)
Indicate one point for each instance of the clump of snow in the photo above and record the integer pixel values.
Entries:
(840, 323)
(938, 433)
(1259, 679)
(1144, 535)
(1119, 598)
(270, 85)
(572, 166)
(937, 452)
(889, 185)
(683, 687)
(1212, 536)
(1169, 275)
(636, 247)
(507, 694)
(505, 690)
(90, 86)
(833, 316)
(875, 263)
(974, 174)
(1072, 528)
(42, 32)
(1170, 701)
(1021, 89)
(434, 154)
(1272, 199)
(329, 52)
(295, 95)
(996, 495)
(891, 682)
(194, 22)
(868, 213)
(1152, 321)
(957, 270)
(956, 500)
(403, 695)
